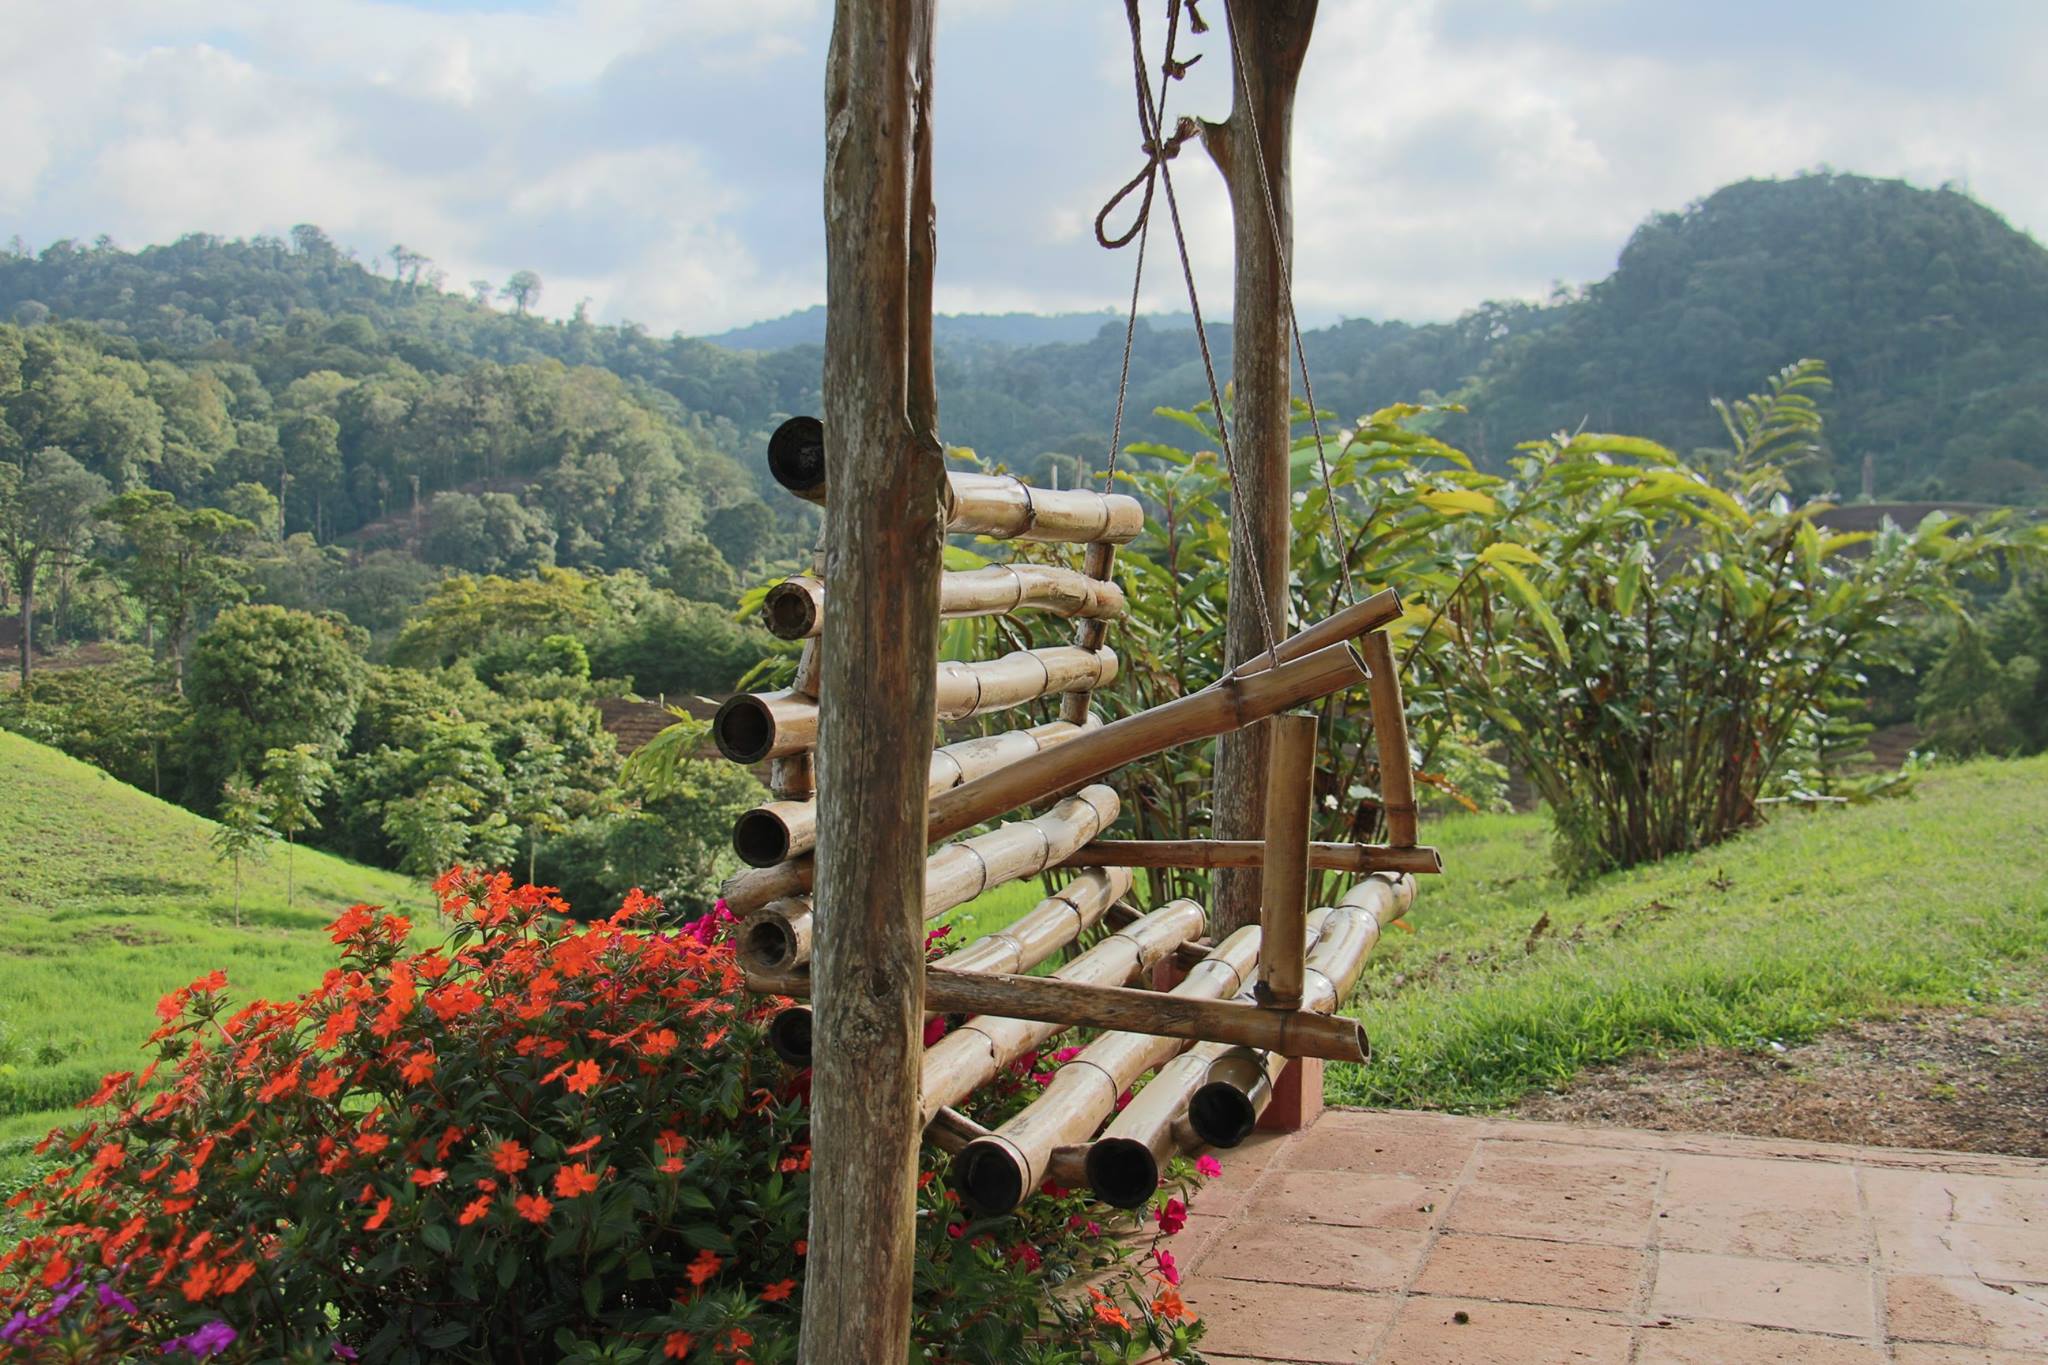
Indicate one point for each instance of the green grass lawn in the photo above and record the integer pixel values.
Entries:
(109, 898)
(1940, 897)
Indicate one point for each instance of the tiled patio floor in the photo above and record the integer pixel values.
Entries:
(1418, 1238)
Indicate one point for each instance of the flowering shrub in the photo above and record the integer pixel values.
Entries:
(538, 1140)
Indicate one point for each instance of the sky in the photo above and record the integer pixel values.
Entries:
(662, 158)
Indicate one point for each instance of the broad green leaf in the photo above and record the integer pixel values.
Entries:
(1508, 551)
(1519, 583)
(1457, 501)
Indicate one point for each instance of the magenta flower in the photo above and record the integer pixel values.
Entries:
(1168, 1270)
(1209, 1166)
(206, 1343)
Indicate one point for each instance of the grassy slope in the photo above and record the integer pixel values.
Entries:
(109, 898)
(1941, 897)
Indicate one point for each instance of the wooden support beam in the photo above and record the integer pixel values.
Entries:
(1050, 1000)
(751, 726)
(1098, 562)
(795, 608)
(1283, 898)
(1253, 150)
(1212, 853)
(780, 830)
(1390, 736)
(881, 454)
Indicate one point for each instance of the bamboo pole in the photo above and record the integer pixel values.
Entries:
(775, 937)
(1228, 705)
(1382, 608)
(973, 1054)
(1122, 1166)
(752, 726)
(950, 1131)
(795, 608)
(995, 1172)
(1240, 1082)
(1052, 924)
(1283, 896)
(1098, 561)
(1212, 853)
(883, 456)
(780, 830)
(1390, 735)
(996, 505)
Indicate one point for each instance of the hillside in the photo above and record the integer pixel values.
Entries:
(109, 898)
(1927, 305)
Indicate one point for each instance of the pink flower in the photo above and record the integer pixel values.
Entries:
(1026, 1255)
(1173, 1217)
(1052, 1191)
(1209, 1166)
(1066, 1054)
(934, 1029)
(1168, 1271)
(954, 1230)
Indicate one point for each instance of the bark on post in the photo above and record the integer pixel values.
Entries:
(1273, 39)
(883, 532)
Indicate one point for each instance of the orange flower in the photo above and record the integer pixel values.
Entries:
(429, 1175)
(1105, 1311)
(1170, 1306)
(777, 1292)
(418, 1068)
(325, 1085)
(580, 1148)
(659, 1043)
(714, 1038)
(534, 1208)
(509, 1157)
(671, 1141)
(584, 1077)
(571, 1181)
(678, 1345)
(199, 1281)
(474, 1209)
(237, 1277)
(369, 1144)
(376, 1220)
(704, 1267)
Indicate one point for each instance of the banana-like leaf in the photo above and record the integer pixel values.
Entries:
(1518, 583)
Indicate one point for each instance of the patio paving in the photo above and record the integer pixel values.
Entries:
(1417, 1238)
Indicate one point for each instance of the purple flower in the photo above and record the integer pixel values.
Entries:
(342, 1352)
(111, 1297)
(207, 1342)
(16, 1325)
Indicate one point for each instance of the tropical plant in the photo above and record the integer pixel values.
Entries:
(294, 782)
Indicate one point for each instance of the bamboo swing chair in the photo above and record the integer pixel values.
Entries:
(1213, 1022)
(832, 894)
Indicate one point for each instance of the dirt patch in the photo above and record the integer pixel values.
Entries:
(1942, 1079)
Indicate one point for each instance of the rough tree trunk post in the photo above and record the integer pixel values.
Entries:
(880, 646)
(1273, 37)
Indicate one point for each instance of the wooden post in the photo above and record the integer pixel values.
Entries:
(883, 535)
(1273, 39)
(1284, 895)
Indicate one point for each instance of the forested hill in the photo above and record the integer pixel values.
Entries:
(1931, 310)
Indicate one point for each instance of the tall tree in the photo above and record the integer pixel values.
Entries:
(294, 782)
(181, 562)
(523, 290)
(47, 522)
(1253, 150)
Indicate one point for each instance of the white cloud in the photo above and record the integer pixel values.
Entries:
(661, 156)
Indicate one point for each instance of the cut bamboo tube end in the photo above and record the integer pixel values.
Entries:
(789, 1034)
(1123, 1172)
(796, 457)
(776, 937)
(1283, 901)
(1226, 1109)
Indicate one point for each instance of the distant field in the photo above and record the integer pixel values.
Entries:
(1940, 897)
(110, 898)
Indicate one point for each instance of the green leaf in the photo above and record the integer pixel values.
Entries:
(1508, 551)
(1457, 501)
(1520, 585)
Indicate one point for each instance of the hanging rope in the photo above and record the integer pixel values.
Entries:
(1160, 152)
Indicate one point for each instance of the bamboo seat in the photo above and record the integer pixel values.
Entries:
(1214, 1040)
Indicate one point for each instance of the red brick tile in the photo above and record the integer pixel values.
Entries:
(1946, 1196)
(1561, 1214)
(1319, 1254)
(1984, 1251)
(1289, 1322)
(1562, 1274)
(1365, 1201)
(1804, 1298)
(1384, 1144)
(1966, 1312)
(1428, 1332)
(1694, 1342)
